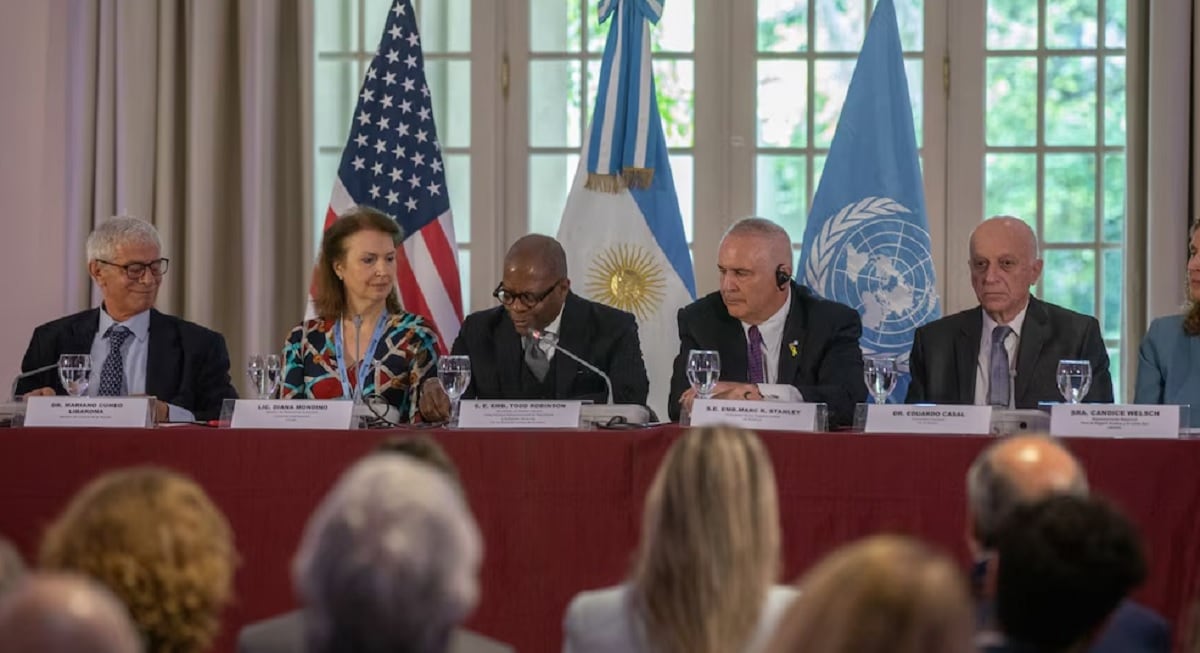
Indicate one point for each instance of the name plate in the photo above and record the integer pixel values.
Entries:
(1114, 420)
(114, 412)
(940, 420)
(498, 414)
(768, 415)
(293, 414)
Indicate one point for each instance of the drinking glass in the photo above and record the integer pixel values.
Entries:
(1074, 379)
(75, 371)
(273, 363)
(454, 372)
(256, 369)
(879, 373)
(703, 371)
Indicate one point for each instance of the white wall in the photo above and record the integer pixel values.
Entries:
(33, 272)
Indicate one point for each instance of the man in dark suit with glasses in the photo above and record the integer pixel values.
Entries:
(507, 362)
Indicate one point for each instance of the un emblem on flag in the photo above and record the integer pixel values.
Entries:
(874, 257)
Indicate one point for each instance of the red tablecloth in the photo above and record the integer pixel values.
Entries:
(560, 510)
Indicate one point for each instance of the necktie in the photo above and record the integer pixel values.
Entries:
(754, 356)
(112, 375)
(998, 377)
(536, 359)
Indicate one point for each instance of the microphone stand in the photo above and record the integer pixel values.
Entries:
(552, 340)
(24, 375)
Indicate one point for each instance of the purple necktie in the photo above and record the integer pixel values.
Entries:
(754, 354)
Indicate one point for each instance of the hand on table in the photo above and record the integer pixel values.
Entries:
(434, 403)
(723, 390)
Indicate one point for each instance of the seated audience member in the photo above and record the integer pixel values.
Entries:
(1018, 471)
(703, 576)
(777, 340)
(1065, 563)
(135, 349)
(156, 541)
(1005, 352)
(508, 363)
(285, 633)
(1169, 358)
(60, 613)
(361, 344)
(884, 594)
(12, 567)
(388, 562)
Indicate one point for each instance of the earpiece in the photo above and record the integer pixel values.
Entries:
(782, 278)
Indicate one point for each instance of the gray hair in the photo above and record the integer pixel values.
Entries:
(119, 230)
(993, 494)
(389, 561)
(12, 567)
(761, 227)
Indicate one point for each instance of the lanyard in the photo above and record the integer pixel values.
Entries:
(364, 365)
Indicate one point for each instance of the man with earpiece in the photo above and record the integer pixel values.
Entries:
(777, 340)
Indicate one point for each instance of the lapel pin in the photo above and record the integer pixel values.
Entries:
(792, 347)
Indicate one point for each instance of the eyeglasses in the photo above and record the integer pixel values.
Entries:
(527, 299)
(135, 270)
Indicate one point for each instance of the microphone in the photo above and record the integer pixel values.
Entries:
(551, 339)
(24, 375)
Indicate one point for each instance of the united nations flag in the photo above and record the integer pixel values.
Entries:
(867, 243)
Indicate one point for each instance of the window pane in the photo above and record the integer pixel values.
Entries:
(458, 179)
(1114, 30)
(445, 25)
(1070, 100)
(375, 13)
(683, 172)
(829, 94)
(1011, 183)
(1114, 199)
(781, 103)
(325, 167)
(910, 15)
(1112, 292)
(335, 94)
(1070, 198)
(555, 25)
(337, 26)
(553, 104)
(1012, 25)
(464, 276)
(915, 71)
(676, 88)
(818, 164)
(450, 86)
(782, 25)
(675, 31)
(1011, 101)
(597, 34)
(1070, 279)
(840, 25)
(781, 193)
(1114, 101)
(1071, 24)
(550, 177)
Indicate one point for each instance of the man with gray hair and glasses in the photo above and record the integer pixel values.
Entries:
(135, 349)
(1018, 471)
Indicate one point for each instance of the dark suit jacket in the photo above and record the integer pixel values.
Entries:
(603, 336)
(1132, 628)
(186, 365)
(827, 366)
(285, 634)
(945, 356)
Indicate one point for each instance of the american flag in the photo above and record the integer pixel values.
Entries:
(392, 162)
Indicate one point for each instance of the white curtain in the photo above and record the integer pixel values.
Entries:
(188, 113)
(1163, 178)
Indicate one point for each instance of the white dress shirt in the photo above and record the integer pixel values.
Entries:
(984, 364)
(772, 343)
(135, 356)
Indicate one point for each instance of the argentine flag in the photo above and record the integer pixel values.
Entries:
(866, 243)
(621, 227)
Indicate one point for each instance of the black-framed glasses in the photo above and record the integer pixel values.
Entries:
(527, 299)
(135, 270)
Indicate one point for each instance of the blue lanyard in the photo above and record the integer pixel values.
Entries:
(364, 365)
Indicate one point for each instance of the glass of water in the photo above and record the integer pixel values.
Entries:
(879, 373)
(272, 363)
(455, 374)
(1074, 379)
(256, 370)
(703, 371)
(75, 371)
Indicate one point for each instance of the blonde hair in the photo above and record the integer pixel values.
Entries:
(883, 594)
(710, 543)
(156, 540)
